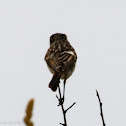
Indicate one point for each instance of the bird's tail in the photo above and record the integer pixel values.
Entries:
(55, 82)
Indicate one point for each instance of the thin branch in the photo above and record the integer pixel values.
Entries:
(62, 124)
(61, 103)
(70, 107)
(101, 111)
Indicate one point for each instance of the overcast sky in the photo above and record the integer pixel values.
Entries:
(97, 31)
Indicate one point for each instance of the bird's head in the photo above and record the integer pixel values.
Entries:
(57, 37)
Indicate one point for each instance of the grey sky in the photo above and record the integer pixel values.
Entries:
(95, 28)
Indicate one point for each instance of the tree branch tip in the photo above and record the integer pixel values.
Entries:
(97, 92)
(70, 107)
(62, 124)
(57, 97)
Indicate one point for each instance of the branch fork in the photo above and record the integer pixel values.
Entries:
(61, 103)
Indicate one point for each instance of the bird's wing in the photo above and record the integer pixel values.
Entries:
(67, 58)
(60, 62)
(52, 62)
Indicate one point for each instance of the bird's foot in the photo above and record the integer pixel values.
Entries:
(61, 100)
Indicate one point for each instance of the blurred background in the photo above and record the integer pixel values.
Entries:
(95, 28)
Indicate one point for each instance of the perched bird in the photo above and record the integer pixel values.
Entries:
(60, 58)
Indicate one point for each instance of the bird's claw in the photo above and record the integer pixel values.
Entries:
(61, 101)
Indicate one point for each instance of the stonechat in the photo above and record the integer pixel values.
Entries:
(60, 58)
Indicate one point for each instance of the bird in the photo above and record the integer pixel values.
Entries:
(61, 59)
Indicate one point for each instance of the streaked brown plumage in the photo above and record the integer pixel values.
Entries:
(60, 58)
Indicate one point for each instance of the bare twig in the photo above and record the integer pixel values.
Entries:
(101, 112)
(62, 124)
(61, 102)
(70, 107)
